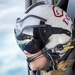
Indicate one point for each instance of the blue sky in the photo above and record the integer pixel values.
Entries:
(12, 59)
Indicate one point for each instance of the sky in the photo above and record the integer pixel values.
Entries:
(12, 59)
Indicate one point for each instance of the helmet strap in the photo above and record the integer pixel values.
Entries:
(48, 30)
(35, 57)
(49, 55)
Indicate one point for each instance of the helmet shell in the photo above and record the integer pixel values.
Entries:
(56, 17)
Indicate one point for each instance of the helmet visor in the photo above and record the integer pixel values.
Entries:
(27, 33)
(28, 38)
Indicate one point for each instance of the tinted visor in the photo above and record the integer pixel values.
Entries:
(29, 38)
(27, 35)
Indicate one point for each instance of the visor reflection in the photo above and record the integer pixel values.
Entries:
(23, 43)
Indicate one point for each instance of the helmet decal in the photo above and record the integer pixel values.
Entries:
(66, 19)
(56, 12)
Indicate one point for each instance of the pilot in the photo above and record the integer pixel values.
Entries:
(44, 34)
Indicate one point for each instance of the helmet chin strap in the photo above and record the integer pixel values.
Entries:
(49, 55)
(35, 57)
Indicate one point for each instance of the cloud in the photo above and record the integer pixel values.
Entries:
(10, 65)
(6, 26)
(8, 11)
(11, 57)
